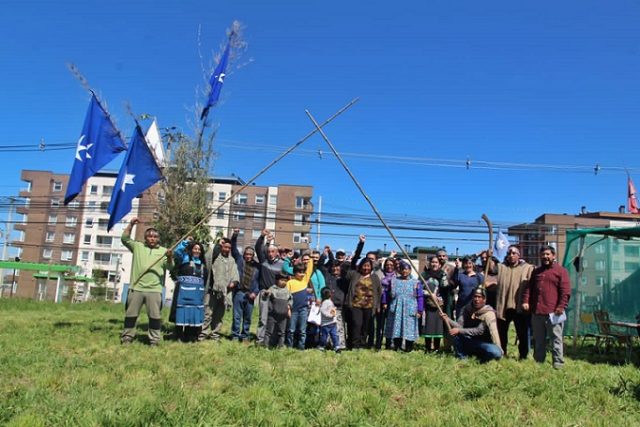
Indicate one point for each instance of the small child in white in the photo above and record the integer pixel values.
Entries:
(328, 323)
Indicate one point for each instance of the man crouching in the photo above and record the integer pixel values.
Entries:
(476, 331)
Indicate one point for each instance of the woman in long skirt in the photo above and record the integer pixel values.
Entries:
(432, 326)
(190, 288)
(405, 309)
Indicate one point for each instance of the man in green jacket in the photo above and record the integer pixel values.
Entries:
(146, 286)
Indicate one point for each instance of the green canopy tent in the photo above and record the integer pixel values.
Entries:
(604, 265)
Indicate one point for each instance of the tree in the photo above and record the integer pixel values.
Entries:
(99, 291)
(183, 201)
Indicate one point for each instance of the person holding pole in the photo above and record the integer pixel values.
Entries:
(146, 282)
(270, 266)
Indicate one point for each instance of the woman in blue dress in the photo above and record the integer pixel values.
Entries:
(405, 309)
(190, 287)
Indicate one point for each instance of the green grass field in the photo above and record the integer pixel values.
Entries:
(63, 365)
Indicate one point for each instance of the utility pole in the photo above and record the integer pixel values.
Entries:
(318, 223)
(116, 279)
(8, 228)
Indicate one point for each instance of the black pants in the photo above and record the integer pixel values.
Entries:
(376, 329)
(522, 322)
(276, 330)
(359, 326)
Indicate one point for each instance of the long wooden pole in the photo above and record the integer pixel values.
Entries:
(489, 250)
(262, 171)
(377, 213)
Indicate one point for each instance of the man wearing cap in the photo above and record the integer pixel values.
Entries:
(513, 278)
(547, 297)
(476, 333)
(147, 279)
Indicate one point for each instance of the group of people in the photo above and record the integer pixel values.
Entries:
(324, 300)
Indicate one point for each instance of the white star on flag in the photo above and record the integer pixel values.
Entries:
(128, 179)
(83, 148)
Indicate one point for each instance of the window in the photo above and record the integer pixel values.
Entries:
(102, 257)
(104, 206)
(256, 234)
(104, 240)
(74, 205)
(84, 256)
(241, 199)
(631, 251)
(220, 214)
(91, 206)
(103, 223)
(599, 249)
(630, 267)
(599, 281)
(47, 253)
(209, 196)
(88, 222)
(28, 185)
(69, 238)
(297, 237)
(25, 218)
(57, 186)
(259, 199)
(53, 219)
(258, 216)
(20, 236)
(273, 199)
(241, 233)
(26, 202)
(55, 203)
(93, 190)
(87, 239)
(239, 215)
(297, 219)
(600, 265)
(222, 196)
(299, 202)
(271, 215)
(107, 190)
(50, 236)
(66, 255)
(71, 221)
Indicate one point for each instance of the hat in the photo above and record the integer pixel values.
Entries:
(480, 291)
(340, 252)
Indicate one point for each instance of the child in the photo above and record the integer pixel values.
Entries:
(297, 285)
(328, 325)
(280, 301)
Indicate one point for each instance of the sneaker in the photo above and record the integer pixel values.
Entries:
(557, 365)
(126, 341)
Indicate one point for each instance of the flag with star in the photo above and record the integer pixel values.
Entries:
(216, 81)
(99, 143)
(139, 171)
(500, 246)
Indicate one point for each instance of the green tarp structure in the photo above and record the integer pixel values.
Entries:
(604, 266)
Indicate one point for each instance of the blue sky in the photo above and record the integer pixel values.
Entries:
(531, 82)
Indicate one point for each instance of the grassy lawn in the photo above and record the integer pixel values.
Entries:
(63, 365)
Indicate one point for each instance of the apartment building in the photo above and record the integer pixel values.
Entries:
(49, 232)
(550, 229)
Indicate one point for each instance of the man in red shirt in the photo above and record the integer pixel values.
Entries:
(547, 297)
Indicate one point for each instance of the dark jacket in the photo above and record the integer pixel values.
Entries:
(353, 277)
(254, 287)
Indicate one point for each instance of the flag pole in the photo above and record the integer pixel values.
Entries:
(486, 219)
(375, 210)
(251, 180)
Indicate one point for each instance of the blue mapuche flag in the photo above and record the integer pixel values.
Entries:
(500, 246)
(99, 143)
(139, 171)
(216, 81)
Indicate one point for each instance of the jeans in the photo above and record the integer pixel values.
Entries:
(242, 311)
(326, 331)
(472, 346)
(297, 334)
